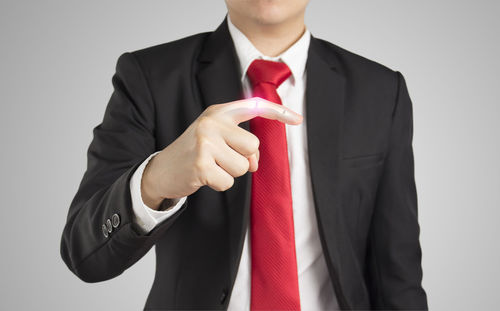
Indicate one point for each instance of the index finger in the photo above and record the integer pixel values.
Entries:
(246, 109)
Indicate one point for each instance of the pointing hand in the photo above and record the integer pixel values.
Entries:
(212, 151)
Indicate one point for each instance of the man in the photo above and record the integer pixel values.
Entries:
(310, 200)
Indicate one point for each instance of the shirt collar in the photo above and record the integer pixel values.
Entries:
(294, 57)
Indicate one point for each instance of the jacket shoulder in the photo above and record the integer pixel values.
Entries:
(358, 67)
(177, 53)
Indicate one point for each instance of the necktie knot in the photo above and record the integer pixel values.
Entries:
(266, 71)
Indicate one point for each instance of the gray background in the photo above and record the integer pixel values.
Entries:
(56, 63)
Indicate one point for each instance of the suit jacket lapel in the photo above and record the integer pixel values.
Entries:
(219, 82)
(324, 117)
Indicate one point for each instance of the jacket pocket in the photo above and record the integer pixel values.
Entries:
(362, 161)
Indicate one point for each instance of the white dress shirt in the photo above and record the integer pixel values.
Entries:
(315, 288)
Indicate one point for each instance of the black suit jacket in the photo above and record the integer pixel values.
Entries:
(359, 135)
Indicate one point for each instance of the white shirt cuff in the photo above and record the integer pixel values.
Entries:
(144, 216)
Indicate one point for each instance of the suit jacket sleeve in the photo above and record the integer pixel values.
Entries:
(123, 140)
(394, 253)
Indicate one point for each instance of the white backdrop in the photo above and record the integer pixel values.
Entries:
(56, 63)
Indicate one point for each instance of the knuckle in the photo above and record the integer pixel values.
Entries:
(204, 124)
(196, 184)
(243, 168)
(202, 142)
(202, 177)
(201, 166)
(254, 143)
(211, 109)
(229, 183)
(224, 184)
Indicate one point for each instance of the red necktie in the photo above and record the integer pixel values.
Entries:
(274, 265)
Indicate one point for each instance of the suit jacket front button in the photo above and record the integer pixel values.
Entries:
(115, 219)
(105, 231)
(223, 297)
(108, 225)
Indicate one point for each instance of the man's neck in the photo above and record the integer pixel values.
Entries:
(271, 39)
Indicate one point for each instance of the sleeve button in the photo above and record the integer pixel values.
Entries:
(109, 227)
(115, 219)
(105, 231)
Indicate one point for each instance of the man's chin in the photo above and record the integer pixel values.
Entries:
(270, 20)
